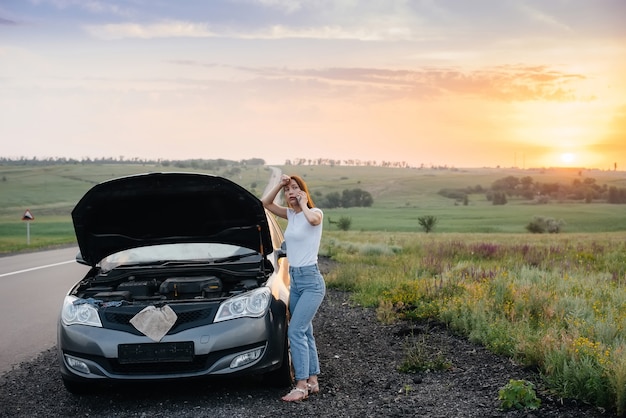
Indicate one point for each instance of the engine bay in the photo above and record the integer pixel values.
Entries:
(152, 286)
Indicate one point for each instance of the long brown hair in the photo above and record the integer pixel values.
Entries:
(302, 185)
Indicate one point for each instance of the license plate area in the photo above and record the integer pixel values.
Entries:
(181, 352)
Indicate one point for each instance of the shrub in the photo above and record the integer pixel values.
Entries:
(499, 198)
(427, 222)
(344, 223)
(356, 197)
(385, 312)
(518, 394)
(418, 357)
(539, 225)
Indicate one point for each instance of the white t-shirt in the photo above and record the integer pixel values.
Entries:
(302, 238)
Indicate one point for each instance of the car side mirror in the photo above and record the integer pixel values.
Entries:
(81, 260)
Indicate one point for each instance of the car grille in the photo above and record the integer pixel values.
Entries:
(189, 316)
(199, 363)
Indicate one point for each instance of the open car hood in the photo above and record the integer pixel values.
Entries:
(160, 208)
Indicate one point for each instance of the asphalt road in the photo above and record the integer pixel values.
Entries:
(32, 287)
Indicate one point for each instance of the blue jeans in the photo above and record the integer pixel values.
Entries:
(305, 297)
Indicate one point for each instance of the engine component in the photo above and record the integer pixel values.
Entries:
(140, 289)
(191, 287)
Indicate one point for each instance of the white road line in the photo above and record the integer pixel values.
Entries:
(37, 268)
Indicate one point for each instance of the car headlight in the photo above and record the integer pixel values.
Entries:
(79, 311)
(252, 304)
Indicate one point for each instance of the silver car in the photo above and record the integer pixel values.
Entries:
(188, 279)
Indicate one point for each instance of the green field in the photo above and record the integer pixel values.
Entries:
(401, 196)
(50, 193)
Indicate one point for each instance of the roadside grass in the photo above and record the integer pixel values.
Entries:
(420, 358)
(55, 231)
(555, 302)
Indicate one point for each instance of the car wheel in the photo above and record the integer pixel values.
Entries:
(78, 388)
(283, 376)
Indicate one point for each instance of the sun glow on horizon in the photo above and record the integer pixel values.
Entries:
(568, 158)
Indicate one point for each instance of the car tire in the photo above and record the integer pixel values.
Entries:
(78, 388)
(283, 376)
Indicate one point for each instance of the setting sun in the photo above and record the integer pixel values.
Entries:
(568, 158)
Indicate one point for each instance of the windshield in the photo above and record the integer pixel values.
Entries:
(172, 252)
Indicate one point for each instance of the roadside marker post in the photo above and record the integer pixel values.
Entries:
(28, 217)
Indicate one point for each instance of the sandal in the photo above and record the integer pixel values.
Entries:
(313, 389)
(296, 395)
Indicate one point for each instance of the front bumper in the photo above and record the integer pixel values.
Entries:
(91, 354)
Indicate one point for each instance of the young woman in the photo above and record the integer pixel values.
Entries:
(302, 235)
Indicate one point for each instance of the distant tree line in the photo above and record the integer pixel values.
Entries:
(349, 162)
(208, 164)
(347, 199)
(587, 190)
(204, 164)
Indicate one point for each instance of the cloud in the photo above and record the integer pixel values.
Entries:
(7, 22)
(502, 83)
(543, 18)
(92, 6)
(170, 29)
(288, 6)
(189, 29)
(507, 83)
(380, 21)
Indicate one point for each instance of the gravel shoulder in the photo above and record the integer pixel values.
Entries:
(359, 359)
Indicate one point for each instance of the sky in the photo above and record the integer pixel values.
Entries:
(456, 83)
